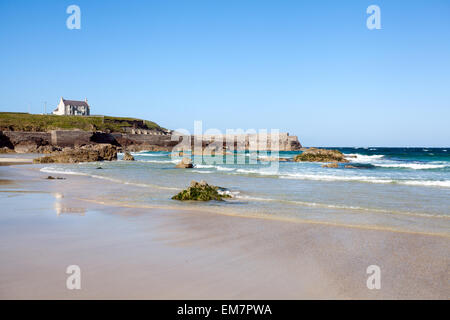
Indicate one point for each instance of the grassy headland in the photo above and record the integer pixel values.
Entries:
(12, 121)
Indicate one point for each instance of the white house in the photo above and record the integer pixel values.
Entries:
(72, 108)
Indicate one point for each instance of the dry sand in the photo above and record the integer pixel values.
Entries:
(138, 253)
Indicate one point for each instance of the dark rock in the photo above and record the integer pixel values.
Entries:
(6, 150)
(128, 157)
(185, 163)
(5, 142)
(53, 178)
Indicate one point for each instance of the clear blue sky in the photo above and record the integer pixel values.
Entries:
(311, 68)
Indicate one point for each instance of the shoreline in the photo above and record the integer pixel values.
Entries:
(232, 213)
(180, 254)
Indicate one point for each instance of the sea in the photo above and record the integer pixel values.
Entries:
(392, 189)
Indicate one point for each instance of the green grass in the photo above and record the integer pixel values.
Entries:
(12, 121)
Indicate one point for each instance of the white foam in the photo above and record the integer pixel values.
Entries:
(319, 177)
(219, 168)
(203, 166)
(232, 194)
(159, 161)
(363, 158)
(262, 171)
(148, 154)
(201, 171)
(56, 171)
(415, 166)
(246, 197)
(428, 183)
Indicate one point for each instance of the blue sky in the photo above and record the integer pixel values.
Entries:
(311, 68)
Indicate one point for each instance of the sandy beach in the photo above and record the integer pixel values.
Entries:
(162, 253)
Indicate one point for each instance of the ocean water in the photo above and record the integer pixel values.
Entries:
(400, 189)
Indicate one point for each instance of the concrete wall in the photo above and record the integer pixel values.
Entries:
(158, 140)
(70, 138)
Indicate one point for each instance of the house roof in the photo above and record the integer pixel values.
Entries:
(75, 103)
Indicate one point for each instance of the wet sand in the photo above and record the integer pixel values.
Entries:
(155, 253)
(7, 161)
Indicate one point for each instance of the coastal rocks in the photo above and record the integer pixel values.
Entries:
(47, 149)
(30, 146)
(89, 153)
(128, 157)
(201, 191)
(320, 155)
(185, 163)
(6, 150)
(55, 178)
(274, 159)
(331, 165)
(5, 142)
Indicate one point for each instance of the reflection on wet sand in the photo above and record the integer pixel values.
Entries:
(61, 208)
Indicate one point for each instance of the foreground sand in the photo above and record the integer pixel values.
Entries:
(137, 253)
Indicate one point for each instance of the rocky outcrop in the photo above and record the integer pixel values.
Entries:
(89, 153)
(6, 150)
(274, 159)
(185, 163)
(30, 145)
(47, 149)
(128, 157)
(331, 165)
(201, 191)
(5, 141)
(320, 155)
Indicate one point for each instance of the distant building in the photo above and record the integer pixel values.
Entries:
(72, 108)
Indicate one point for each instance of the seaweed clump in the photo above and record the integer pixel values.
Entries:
(201, 191)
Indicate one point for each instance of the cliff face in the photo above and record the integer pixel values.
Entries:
(34, 141)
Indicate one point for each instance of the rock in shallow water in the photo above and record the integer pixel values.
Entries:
(185, 163)
(128, 157)
(320, 155)
(331, 165)
(200, 191)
